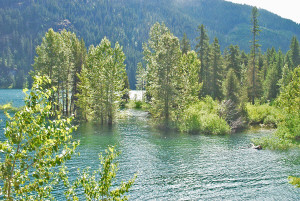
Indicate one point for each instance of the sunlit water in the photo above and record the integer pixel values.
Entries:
(174, 166)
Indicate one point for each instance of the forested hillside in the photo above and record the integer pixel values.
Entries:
(24, 22)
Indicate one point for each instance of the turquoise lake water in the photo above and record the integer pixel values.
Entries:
(174, 166)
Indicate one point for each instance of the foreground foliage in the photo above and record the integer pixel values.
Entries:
(38, 144)
(97, 186)
(36, 148)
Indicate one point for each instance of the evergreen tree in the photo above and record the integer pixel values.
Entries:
(84, 97)
(202, 48)
(295, 52)
(255, 31)
(270, 84)
(61, 56)
(217, 71)
(231, 87)
(141, 74)
(280, 64)
(188, 81)
(185, 44)
(126, 88)
(274, 65)
(48, 62)
(79, 52)
(244, 58)
(103, 81)
(233, 60)
(162, 56)
(285, 78)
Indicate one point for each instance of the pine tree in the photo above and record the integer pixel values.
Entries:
(162, 56)
(79, 55)
(273, 72)
(295, 52)
(140, 77)
(47, 59)
(233, 60)
(244, 58)
(203, 54)
(231, 87)
(61, 56)
(185, 44)
(188, 80)
(103, 81)
(126, 88)
(270, 84)
(50, 62)
(255, 31)
(217, 71)
(285, 78)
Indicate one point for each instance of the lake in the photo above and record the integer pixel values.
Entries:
(174, 166)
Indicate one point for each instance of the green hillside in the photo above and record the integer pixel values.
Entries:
(24, 22)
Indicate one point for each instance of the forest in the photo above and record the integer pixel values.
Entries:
(195, 89)
(23, 23)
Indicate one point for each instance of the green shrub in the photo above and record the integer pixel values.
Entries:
(136, 104)
(274, 143)
(294, 181)
(202, 117)
(264, 114)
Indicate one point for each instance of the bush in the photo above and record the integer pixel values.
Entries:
(274, 143)
(138, 104)
(202, 117)
(264, 114)
(294, 181)
(135, 104)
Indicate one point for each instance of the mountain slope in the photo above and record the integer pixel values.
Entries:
(24, 22)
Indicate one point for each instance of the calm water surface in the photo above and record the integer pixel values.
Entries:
(174, 166)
